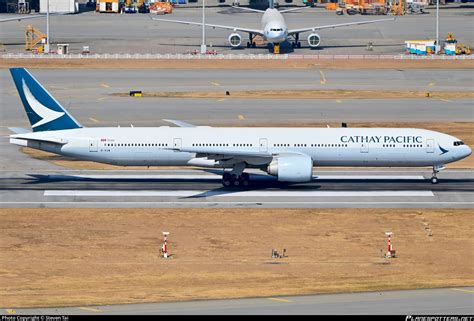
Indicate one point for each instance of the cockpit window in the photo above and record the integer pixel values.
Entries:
(458, 143)
(276, 29)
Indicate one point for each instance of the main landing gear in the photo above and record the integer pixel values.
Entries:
(233, 180)
(236, 177)
(436, 170)
(251, 43)
(296, 43)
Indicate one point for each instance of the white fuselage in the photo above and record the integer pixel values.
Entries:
(274, 26)
(326, 146)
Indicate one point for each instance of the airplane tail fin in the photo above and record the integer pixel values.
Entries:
(43, 111)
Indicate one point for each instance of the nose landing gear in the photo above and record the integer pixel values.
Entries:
(436, 170)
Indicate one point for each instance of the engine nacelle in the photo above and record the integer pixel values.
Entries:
(292, 168)
(235, 40)
(314, 40)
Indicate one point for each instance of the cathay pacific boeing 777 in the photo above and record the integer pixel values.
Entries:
(287, 153)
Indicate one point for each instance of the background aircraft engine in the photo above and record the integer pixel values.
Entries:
(292, 168)
(235, 40)
(314, 40)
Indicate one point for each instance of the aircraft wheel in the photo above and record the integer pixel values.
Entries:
(235, 181)
(248, 44)
(298, 44)
(226, 180)
(254, 45)
(245, 179)
(434, 180)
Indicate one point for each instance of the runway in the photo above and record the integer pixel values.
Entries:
(197, 188)
(28, 182)
(87, 94)
(449, 301)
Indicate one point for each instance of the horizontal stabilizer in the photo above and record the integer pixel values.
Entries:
(18, 130)
(23, 140)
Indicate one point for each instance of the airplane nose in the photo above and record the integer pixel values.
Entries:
(468, 151)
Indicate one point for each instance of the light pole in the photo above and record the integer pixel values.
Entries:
(46, 46)
(437, 28)
(203, 45)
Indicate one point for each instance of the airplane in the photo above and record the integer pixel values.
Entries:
(289, 154)
(274, 29)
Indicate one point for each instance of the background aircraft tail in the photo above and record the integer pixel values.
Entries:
(271, 4)
(43, 111)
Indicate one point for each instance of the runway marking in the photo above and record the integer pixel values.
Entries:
(280, 300)
(323, 78)
(431, 84)
(102, 98)
(338, 101)
(89, 309)
(241, 117)
(445, 100)
(462, 290)
(222, 99)
(370, 177)
(190, 193)
(218, 177)
(235, 203)
(10, 311)
(93, 119)
(105, 85)
(215, 84)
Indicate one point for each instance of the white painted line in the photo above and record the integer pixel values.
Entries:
(160, 176)
(158, 204)
(275, 193)
(216, 176)
(370, 177)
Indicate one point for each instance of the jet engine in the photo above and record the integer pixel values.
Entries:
(292, 168)
(314, 40)
(235, 40)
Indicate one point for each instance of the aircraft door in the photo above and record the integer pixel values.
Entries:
(93, 145)
(263, 144)
(364, 148)
(177, 143)
(430, 145)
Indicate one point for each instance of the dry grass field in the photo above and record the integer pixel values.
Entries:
(73, 257)
(464, 131)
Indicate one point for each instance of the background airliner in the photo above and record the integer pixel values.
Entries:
(274, 29)
(287, 153)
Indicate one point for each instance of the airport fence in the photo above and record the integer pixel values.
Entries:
(228, 56)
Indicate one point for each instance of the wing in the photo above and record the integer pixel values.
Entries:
(227, 156)
(18, 18)
(293, 9)
(252, 31)
(249, 9)
(294, 31)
